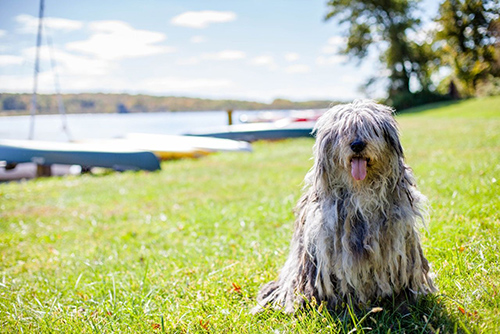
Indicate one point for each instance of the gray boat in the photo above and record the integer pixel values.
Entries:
(45, 153)
(260, 131)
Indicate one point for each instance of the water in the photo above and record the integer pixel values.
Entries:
(84, 126)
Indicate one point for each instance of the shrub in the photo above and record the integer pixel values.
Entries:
(13, 103)
(409, 100)
(488, 87)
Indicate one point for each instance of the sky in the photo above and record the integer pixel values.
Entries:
(256, 50)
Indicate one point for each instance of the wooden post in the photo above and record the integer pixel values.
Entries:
(230, 117)
(43, 170)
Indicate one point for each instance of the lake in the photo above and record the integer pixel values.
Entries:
(83, 126)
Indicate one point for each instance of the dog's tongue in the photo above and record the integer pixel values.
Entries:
(358, 168)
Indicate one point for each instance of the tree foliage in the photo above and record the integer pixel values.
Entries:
(387, 23)
(470, 36)
(467, 40)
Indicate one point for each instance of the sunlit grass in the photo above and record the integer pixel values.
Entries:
(186, 249)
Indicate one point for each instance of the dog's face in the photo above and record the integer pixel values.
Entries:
(358, 142)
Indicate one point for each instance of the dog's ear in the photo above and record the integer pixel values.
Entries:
(406, 182)
(323, 160)
(391, 136)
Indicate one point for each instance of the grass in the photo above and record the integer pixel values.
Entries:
(186, 249)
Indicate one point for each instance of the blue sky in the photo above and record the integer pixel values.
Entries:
(255, 50)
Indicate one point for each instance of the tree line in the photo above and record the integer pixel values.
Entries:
(457, 56)
(17, 104)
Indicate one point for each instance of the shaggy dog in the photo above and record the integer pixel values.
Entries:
(355, 236)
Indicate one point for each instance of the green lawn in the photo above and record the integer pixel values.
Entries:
(186, 249)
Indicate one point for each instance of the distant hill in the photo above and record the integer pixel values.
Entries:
(19, 104)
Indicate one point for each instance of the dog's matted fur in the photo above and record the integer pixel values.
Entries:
(355, 236)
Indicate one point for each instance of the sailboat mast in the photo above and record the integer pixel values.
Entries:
(60, 103)
(37, 68)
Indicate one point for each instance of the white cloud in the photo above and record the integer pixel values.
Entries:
(337, 40)
(224, 55)
(164, 85)
(302, 92)
(24, 82)
(77, 73)
(329, 49)
(80, 83)
(331, 60)
(202, 19)
(267, 61)
(3, 33)
(350, 79)
(6, 60)
(291, 57)
(16, 83)
(197, 39)
(188, 61)
(29, 24)
(113, 40)
(71, 64)
(183, 85)
(228, 55)
(297, 69)
(334, 44)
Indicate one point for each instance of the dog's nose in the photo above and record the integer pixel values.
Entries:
(358, 146)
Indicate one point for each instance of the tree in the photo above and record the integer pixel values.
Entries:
(469, 39)
(386, 22)
(13, 102)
